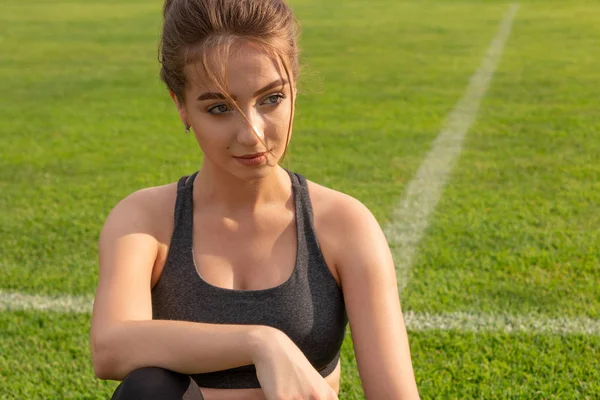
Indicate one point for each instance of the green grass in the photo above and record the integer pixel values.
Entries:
(517, 228)
(98, 137)
(84, 121)
(452, 365)
(46, 356)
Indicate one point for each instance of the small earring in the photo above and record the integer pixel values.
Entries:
(187, 127)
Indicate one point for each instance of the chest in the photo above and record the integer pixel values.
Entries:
(245, 255)
(231, 255)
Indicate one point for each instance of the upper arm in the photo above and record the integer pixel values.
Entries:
(365, 265)
(127, 250)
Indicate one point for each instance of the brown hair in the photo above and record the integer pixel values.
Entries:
(192, 28)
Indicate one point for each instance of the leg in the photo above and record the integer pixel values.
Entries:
(153, 383)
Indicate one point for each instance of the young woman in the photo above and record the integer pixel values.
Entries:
(238, 281)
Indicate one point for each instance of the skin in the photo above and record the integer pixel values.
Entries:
(244, 224)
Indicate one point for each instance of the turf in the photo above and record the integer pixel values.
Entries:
(98, 130)
(517, 229)
(455, 365)
(46, 356)
(84, 121)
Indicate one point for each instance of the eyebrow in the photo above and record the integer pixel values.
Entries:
(220, 96)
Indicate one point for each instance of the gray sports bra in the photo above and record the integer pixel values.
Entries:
(308, 307)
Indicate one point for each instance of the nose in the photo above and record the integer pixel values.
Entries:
(251, 129)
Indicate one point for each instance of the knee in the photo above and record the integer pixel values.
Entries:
(153, 383)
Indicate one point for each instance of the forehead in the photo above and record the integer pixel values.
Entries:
(245, 68)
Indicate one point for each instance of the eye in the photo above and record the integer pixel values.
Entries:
(274, 99)
(218, 109)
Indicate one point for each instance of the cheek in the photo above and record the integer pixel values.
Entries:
(212, 133)
(278, 121)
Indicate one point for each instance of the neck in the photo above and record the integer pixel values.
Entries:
(215, 188)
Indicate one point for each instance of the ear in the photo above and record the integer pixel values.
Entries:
(180, 107)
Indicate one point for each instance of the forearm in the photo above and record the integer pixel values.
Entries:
(180, 346)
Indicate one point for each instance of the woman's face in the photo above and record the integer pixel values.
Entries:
(229, 141)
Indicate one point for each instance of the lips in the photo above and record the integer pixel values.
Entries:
(250, 156)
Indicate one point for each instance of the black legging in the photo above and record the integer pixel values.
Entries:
(153, 383)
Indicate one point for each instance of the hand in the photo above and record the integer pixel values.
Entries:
(285, 373)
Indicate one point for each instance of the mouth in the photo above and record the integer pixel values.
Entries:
(252, 160)
(251, 156)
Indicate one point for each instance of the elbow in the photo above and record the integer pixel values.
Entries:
(105, 358)
(101, 370)
(104, 370)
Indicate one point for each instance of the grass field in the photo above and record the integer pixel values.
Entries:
(84, 121)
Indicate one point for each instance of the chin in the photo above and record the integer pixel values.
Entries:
(253, 173)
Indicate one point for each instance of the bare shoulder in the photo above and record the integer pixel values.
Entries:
(146, 210)
(338, 211)
(344, 226)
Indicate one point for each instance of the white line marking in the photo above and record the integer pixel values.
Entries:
(61, 304)
(533, 323)
(411, 217)
(461, 322)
